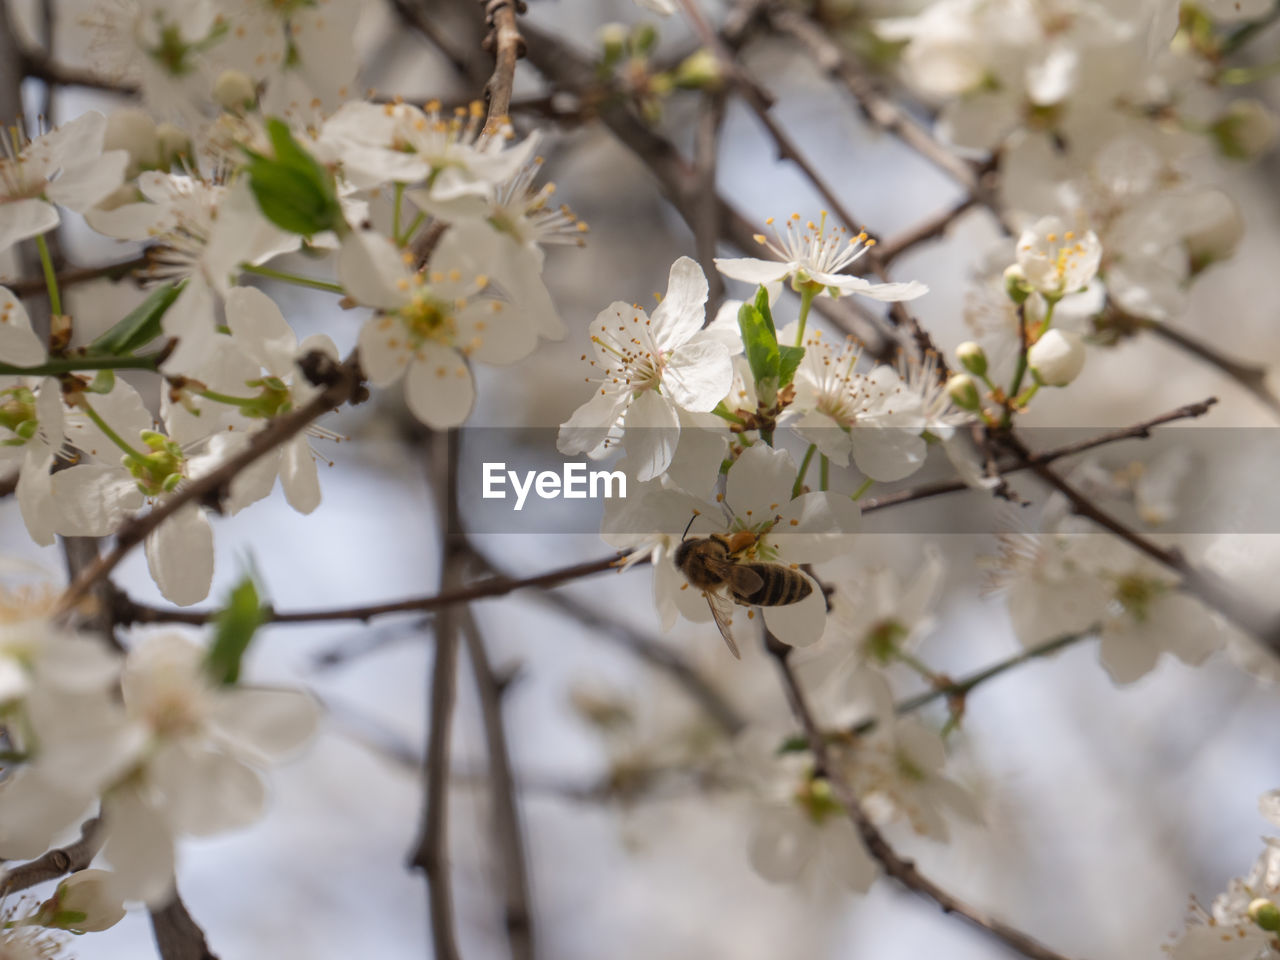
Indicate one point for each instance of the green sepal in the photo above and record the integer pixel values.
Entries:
(140, 326)
(234, 627)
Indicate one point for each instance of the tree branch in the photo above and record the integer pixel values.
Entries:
(34, 286)
(900, 869)
(507, 46)
(57, 862)
(507, 831)
(178, 937)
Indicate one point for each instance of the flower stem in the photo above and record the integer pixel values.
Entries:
(50, 275)
(105, 427)
(293, 278)
(395, 215)
(806, 301)
(725, 413)
(862, 490)
(804, 468)
(824, 473)
(59, 365)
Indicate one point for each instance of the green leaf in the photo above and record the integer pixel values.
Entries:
(796, 743)
(234, 627)
(789, 361)
(762, 304)
(103, 382)
(761, 345)
(293, 190)
(141, 326)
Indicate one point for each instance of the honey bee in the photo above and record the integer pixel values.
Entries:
(715, 566)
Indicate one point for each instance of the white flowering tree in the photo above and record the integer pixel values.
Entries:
(234, 155)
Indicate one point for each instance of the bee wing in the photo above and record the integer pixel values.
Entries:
(743, 580)
(722, 612)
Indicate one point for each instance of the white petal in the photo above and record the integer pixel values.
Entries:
(815, 527)
(372, 269)
(845, 855)
(93, 499)
(698, 375)
(682, 311)
(180, 556)
(652, 432)
(888, 292)
(798, 624)
(781, 843)
(260, 330)
(263, 723)
(760, 482)
(84, 183)
(19, 344)
(383, 354)
(299, 476)
(35, 498)
(591, 423)
(887, 453)
(751, 270)
(438, 387)
(139, 847)
(206, 792)
(23, 219)
(495, 332)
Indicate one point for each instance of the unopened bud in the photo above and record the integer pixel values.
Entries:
(964, 392)
(133, 131)
(1265, 914)
(174, 142)
(643, 37)
(1057, 358)
(1245, 131)
(613, 42)
(973, 358)
(701, 70)
(85, 901)
(1015, 284)
(234, 91)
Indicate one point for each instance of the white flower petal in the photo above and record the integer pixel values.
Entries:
(682, 311)
(23, 219)
(180, 556)
(751, 270)
(372, 270)
(799, 624)
(299, 476)
(438, 387)
(260, 330)
(698, 375)
(652, 433)
(263, 723)
(206, 792)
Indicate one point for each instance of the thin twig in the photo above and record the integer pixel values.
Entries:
(57, 862)
(505, 42)
(1136, 432)
(900, 869)
(431, 852)
(34, 286)
(37, 64)
(343, 384)
(133, 612)
(518, 912)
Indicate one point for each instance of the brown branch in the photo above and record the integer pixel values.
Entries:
(38, 64)
(507, 830)
(1251, 378)
(507, 46)
(431, 852)
(129, 611)
(1206, 586)
(178, 937)
(33, 286)
(1138, 431)
(342, 384)
(900, 869)
(57, 862)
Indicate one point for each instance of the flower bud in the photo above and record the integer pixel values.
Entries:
(700, 70)
(1057, 358)
(85, 901)
(643, 38)
(234, 91)
(973, 358)
(1265, 914)
(174, 142)
(1245, 131)
(1015, 284)
(133, 131)
(964, 392)
(613, 42)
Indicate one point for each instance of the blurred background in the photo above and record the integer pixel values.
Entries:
(1104, 808)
